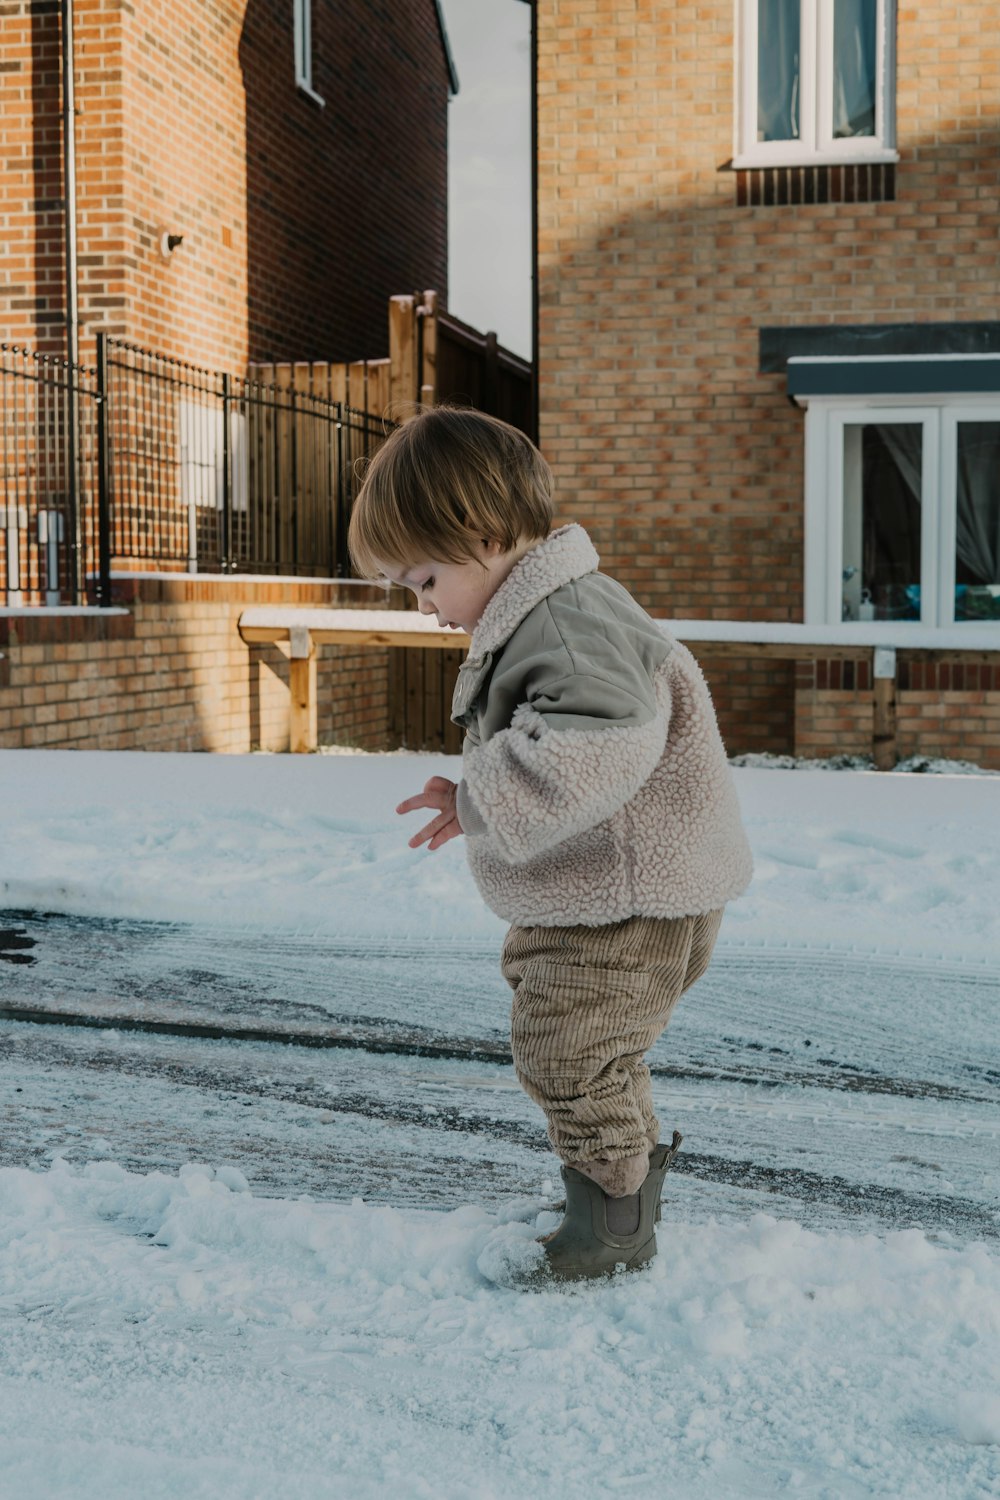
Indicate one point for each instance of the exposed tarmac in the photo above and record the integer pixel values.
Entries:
(829, 1088)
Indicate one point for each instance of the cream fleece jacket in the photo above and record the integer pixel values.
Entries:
(595, 784)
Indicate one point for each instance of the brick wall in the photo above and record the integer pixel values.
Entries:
(947, 707)
(32, 275)
(681, 458)
(346, 205)
(298, 221)
(170, 672)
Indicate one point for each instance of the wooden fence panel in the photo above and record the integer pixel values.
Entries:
(421, 686)
(432, 357)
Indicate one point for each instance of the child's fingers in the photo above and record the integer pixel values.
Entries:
(413, 803)
(437, 793)
(428, 831)
(450, 831)
(437, 833)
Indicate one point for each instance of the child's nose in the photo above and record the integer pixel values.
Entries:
(426, 607)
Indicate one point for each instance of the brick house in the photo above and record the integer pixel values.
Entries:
(769, 337)
(297, 149)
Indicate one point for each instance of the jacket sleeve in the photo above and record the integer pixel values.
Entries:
(578, 748)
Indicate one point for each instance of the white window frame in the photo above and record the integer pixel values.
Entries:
(303, 51)
(817, 145)
(826, 419)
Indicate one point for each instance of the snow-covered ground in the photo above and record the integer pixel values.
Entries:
(866, 862)
(192, 1303)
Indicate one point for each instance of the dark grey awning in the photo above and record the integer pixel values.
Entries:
(892, 375)
(902, 340)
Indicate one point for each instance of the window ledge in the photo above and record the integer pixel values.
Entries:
(771, 159)
(310, 93)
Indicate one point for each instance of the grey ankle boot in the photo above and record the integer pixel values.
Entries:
(586, 1245)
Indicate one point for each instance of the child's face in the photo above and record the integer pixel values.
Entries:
(457, 593)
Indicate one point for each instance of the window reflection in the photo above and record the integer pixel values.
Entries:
(883, 464)
(977, 522)
(855, 55)
(778, 64)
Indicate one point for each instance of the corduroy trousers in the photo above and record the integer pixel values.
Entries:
(588, 1004)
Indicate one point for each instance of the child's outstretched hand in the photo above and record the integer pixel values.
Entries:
(438, 793)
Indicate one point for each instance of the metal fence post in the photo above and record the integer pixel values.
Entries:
(103, 475)
(75, 559)
(228, 562)
(295, 498)
(341, 566)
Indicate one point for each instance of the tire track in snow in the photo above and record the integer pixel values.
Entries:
(856, 1078)
(850, 1022)
(392, 1128)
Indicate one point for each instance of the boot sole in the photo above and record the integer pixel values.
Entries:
(637, 1262)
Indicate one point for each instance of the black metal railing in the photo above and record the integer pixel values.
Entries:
(48, 478)
(149, 462)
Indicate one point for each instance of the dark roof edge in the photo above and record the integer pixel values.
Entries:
(446, 44)
(903, 375)
(827, 340)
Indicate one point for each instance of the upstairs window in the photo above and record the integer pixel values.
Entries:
(304, 50)
(816, 82)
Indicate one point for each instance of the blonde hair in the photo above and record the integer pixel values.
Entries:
(441, 483)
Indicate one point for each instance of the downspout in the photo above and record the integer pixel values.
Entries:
(72, 320)
(533, 6)
(534, 222)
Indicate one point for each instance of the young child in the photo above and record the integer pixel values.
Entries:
(597, 804)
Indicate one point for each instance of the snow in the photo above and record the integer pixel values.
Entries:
(177, 1335)
(183, 1332)
(874, 863)
(240, 580)
(905, 634)
(57, 611)
(278, 617)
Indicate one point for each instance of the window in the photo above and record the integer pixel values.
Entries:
(903, 511)
(303, 50)
(201, 430)
(815, 81)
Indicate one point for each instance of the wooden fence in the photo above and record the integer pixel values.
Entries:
(433, 357)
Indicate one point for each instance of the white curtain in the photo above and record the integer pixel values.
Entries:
(905, 441)
(977, 510)
(778, 70)
(855, 51)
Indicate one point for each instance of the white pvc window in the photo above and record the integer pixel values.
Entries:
(304, 50)
(815, 82)
(903, 512)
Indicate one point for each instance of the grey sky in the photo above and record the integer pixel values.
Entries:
(489, 177)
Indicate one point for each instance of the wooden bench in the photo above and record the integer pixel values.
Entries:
(304, 629)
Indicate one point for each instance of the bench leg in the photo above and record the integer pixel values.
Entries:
(884, 751)
(302, 692)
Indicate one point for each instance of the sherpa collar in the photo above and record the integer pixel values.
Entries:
(563, 556)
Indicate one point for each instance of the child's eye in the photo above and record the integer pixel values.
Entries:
(427, 583)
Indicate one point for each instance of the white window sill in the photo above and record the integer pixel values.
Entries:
(306, 88)
(875, 157)
(903, 634)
